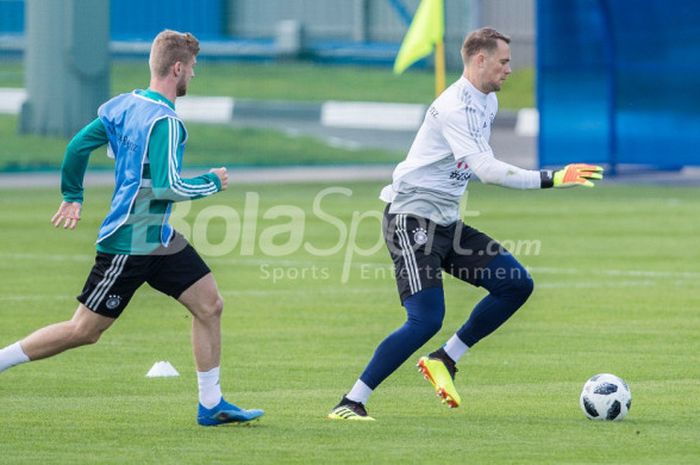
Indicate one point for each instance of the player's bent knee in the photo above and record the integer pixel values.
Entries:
(427, 328)
(211, 308)
(519, 289)
(524, 286)
(83, 335)
(92, 338)
(432, 327)
(218, 306)
(426, 310)
(519, 284)
(431, 331)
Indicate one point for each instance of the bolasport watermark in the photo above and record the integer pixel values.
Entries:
(334, 239)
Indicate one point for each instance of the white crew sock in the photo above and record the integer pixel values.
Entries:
(360, 392)
(209, 387)
(12, 355)
(455, 348)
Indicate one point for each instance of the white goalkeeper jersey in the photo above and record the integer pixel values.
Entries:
(455, 132)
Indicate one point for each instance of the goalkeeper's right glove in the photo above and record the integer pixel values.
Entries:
(575, 174)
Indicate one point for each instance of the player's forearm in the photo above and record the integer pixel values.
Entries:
(177, 189)
(492, 171)
(72, 174)
(166, 182)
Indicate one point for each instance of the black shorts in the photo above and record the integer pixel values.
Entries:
(115, 278)
(422, 249)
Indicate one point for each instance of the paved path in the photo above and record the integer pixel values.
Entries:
(309, 119)
(238, 176)
(326, 174)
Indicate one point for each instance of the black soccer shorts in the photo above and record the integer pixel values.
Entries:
(422, 249)
(115, 278)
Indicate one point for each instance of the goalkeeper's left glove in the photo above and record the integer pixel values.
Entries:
(575, 174)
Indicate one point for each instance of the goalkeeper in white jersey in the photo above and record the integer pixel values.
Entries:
(426, 237)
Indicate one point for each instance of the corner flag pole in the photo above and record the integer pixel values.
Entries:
(439, 67)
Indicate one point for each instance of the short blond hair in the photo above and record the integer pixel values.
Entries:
(485, 39)
(168, 48)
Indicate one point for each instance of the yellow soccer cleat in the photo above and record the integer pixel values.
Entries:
(441, 375)
(349, 410)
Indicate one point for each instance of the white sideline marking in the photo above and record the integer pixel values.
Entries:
(52, 257)
(291, 292)
(287, 262)
(195, 109)
(11, 100)
(595, 285)
(205, 109)
(341, 143)
(372, 115)
(638, 273)
(268, 291)
(30, 297)
(528, 122)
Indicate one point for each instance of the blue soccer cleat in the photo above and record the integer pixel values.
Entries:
(225, 413)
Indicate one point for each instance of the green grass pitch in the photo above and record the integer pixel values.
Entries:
(616, 290)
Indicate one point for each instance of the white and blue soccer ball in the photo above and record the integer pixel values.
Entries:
(606, 397)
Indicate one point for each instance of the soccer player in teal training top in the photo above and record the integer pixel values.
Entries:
(136, 244)
(425, 235)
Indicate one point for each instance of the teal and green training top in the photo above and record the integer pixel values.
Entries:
(160, 185)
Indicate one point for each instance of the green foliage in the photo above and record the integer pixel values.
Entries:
(616, 291)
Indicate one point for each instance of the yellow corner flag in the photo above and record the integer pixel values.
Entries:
(426, 30)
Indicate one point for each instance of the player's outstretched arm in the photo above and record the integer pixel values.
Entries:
(575, 174)
(68, 213)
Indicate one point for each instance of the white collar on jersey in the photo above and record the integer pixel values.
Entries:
(478, 95)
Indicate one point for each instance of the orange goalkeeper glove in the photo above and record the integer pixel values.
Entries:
(575, 174)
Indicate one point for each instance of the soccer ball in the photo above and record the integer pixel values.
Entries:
(605, 397)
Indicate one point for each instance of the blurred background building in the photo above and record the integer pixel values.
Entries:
(616, 79)
(361, 31)
(617, 82)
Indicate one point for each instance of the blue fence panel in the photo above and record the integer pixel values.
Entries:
(11, 16)
(617, 82)
(571, 66)
(136, 19)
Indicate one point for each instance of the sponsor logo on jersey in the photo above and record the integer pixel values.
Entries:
(123, 140)
(461, 173)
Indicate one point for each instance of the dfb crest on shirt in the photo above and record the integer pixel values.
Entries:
(420, 236)
(113, 301)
